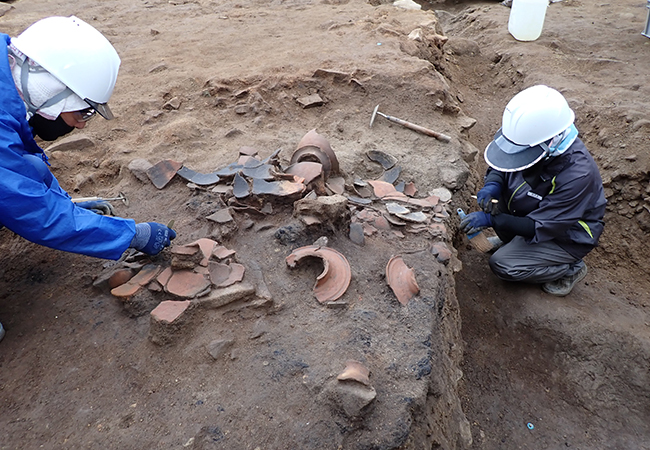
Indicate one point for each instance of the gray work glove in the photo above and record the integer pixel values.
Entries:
(101, 207)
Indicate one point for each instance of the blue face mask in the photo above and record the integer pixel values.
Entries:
(560, 143)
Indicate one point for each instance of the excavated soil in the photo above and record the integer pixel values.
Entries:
(472, 362)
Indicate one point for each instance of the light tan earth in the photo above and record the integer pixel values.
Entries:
(76, 371)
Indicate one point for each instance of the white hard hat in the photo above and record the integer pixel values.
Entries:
(76, 54)
(531, 118)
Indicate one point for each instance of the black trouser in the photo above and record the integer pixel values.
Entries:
(533, 263)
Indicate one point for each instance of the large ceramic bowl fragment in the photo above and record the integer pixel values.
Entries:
(332, 283)
(401, 280)
(315, 148)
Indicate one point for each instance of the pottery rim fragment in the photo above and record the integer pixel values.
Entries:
(332, 283)
(401, 280)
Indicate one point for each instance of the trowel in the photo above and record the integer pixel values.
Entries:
(412, 126)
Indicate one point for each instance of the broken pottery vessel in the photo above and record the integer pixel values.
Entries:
(335, 278)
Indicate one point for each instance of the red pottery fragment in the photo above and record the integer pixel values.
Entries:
(410, 189)
(401, 279)
(131, 287)
(218, 272)
(383, 189)
(164, 276)
(335, 278)
(207, 247)
(169, 310)
(307, 170)
(279, 188)
(356, 371)
(126, 290)
(224, 275)
(221, 252)
(119, 278)
(336, 184)
(146, 274)
(160, 174)
(187, 284)
(248, 151)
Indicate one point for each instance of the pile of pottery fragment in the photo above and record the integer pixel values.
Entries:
(206, 274)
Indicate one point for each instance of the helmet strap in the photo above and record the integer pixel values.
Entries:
(25, 69)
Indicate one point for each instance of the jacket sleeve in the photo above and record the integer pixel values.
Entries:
(45, 214)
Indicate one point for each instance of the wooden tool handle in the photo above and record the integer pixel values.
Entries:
(412, 126)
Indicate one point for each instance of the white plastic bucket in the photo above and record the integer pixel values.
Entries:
(527, 19)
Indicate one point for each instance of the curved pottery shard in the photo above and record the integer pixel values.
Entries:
(356, 371)
(335, 278)
(401, 280)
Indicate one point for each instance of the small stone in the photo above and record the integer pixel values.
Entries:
(161, 66)
(441, 252)
(223, 296)
(139, 168)
(70, 143)
(154, 286)
(443, 194)
(219, 347)
(310, 101)
(259, 329)
(4, 9)
(221, 216)
(356, 234)
(174, 103)
(350, 398)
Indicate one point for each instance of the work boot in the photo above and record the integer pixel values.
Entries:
(564, 285)
(2, 332)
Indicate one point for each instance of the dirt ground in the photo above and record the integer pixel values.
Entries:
(199, 80)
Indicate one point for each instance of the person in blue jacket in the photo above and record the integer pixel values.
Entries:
(54, 77)
(543, 194)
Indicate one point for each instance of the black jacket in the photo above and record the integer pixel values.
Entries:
(562, 199)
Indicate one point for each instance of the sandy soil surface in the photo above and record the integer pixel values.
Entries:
(201, 79)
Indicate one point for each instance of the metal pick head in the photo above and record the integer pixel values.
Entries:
(123, 198)
(374, 114)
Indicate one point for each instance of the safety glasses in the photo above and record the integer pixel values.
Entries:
(84, 115)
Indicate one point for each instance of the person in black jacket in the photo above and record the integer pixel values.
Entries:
(543, 194)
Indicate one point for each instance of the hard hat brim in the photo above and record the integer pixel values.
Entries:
(506, 156)
(101, 108)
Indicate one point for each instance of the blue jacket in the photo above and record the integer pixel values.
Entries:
(564, 196)
(32, 203)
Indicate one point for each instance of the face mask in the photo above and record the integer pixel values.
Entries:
(49, 130)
